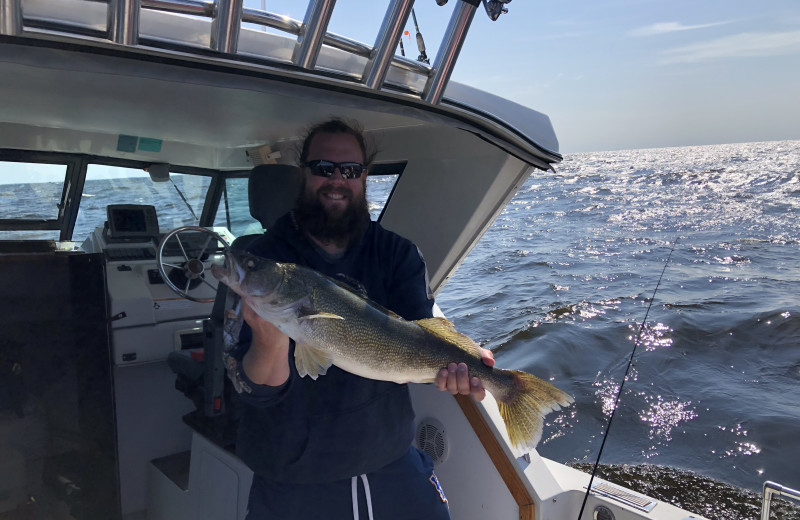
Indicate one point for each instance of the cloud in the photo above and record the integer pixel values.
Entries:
(561, 36)
(744, 45)
(669, 27)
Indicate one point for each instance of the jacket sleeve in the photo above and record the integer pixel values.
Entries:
(248, 391)
(409, 292)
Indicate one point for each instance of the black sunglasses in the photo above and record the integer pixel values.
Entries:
(322, 168)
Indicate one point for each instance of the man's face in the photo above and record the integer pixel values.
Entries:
(333, 209)
(335, 193)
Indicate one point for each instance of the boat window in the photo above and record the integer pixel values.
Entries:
(178, 201)
(234, 209)
(379, 189)
(31, 192)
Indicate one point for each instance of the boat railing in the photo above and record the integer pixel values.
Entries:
(770, 489)
(227, 17)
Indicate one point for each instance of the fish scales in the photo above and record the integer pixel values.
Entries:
(332, 325)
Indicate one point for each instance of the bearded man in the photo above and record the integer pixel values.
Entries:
(341, 444)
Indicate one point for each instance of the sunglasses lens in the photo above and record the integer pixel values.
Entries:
(321, 168)
(326, 169)
(350, 171)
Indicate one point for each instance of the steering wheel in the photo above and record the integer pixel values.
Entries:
(185, 277)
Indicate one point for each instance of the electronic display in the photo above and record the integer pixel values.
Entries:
(132, 221)
(129, 220)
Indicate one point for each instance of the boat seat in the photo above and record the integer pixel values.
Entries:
(271, 192)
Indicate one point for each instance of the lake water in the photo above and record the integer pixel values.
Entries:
(561, 284)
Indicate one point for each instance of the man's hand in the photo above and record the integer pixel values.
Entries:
(267, 361)
(265, 331)
(455, 378)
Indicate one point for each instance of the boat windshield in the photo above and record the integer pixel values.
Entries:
(38, 198)
(178, 201)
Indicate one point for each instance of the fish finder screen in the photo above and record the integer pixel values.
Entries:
(132, 221)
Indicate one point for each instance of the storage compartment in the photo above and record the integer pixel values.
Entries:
(57, 454)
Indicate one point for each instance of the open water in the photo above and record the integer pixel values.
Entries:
(562, 282)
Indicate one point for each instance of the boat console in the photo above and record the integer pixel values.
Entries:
(148, 323)
(141, 303)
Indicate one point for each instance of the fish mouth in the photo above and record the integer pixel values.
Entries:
(230, 272)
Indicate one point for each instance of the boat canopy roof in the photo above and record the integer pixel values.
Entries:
(77, 69)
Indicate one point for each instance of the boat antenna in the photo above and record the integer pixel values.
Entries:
(420, 42)
(625, 378)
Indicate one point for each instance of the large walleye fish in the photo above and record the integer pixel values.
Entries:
(330, 324)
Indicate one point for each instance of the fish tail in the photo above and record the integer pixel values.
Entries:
(523, 401)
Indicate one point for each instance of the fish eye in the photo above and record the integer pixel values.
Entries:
(251, 264)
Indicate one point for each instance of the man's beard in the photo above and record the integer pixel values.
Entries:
(341, 229)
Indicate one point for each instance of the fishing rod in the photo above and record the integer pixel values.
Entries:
(423, 57)
(625, 378)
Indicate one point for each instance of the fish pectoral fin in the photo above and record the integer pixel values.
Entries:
(310, 314)
(311, 361)
(327, 315)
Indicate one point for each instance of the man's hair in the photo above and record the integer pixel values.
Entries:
(339, 126)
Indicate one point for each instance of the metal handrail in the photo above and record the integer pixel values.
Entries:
(123, 21)
(10, 17)
(205, 8)
(772, 488)
(225, 26)
(386, 43)
(448, 53)
(190, 7)
(312, 33)
(227, 17)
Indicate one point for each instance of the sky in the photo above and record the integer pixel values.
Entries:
(621, 74)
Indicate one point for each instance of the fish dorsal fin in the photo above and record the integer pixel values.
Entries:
(438, 326)
(444, 329)
(311, 361)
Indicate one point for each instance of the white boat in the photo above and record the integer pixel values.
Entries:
(122, 121)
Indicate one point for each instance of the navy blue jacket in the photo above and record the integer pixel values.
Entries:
(340, 425)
